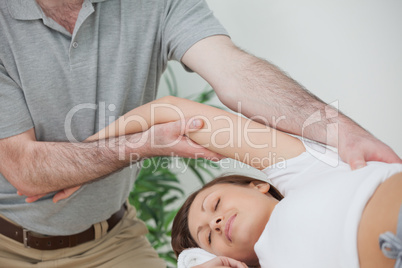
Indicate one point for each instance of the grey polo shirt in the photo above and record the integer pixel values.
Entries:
(71, 85)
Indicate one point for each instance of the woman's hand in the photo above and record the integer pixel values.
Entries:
(222, 262)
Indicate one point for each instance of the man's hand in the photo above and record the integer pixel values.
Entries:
(162, 140)
(357, 149)
(222, 262)
(63, 194)
(170, 139)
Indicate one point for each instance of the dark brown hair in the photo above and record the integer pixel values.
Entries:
(181, 237)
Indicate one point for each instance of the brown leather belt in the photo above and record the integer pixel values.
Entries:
(30, 240)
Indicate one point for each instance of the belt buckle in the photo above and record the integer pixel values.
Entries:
(25, 237)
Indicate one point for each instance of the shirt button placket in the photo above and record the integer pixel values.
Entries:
(75, 44)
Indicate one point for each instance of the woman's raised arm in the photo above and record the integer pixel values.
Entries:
(223, 132)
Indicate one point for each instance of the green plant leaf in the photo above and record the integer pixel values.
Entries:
(169, 218)
(197, 173)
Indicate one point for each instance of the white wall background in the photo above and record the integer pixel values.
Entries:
(346, 50)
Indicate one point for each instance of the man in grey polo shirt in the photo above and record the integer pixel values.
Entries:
(66, 68)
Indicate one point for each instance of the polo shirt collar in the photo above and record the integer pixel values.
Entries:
(24, 9)
(29, 9)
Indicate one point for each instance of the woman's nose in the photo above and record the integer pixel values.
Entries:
(216, 223)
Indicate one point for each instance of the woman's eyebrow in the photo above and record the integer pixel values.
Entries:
(203, 210)
(203, 201)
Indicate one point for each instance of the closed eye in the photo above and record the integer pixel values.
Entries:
(210, 233)
(217, 203)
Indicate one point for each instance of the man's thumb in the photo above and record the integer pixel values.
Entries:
(196, 124)
(357, 163)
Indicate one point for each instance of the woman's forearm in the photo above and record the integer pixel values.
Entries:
(226, 133)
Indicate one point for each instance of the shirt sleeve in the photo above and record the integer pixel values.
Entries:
(186, 23)
(15, 117)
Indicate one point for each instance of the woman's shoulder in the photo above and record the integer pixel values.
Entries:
(315, 154)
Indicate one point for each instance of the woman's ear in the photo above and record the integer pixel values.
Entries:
(262, 187)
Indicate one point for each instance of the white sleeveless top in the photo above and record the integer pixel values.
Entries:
(316, 224)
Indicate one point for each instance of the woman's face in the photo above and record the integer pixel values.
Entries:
(228, 219)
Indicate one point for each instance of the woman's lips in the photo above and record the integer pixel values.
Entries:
(228, 227)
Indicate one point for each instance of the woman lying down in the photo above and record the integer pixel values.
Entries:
(316, 213)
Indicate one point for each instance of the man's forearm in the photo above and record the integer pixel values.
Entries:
(264, 90)
(51, 166)
(264, 93)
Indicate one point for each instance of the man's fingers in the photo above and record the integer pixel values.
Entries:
(200, 151)
(63, 194)
(356, 150)
(171, 138)
(192, 143)
(357, 163)
(355, 158)
(196, 124)
(31, 199)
